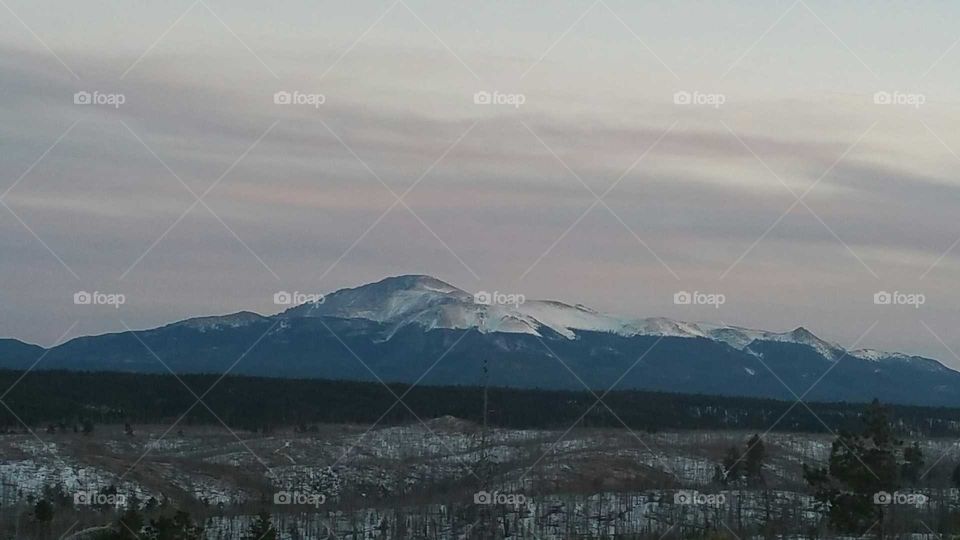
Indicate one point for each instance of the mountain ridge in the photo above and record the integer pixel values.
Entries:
(738, 337)
(419, 328)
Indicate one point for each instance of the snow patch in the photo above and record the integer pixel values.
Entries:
(430, 303)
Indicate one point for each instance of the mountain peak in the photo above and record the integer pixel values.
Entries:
(801, 333)
(413, 282)
(391, 300)
(802, 336)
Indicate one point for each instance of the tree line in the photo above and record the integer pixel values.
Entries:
(77, 401)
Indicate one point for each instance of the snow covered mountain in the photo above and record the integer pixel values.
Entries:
(430, 303)
(419, 329)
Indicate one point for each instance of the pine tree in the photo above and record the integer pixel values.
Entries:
(262, 528)
(912, 464)
(179, 527)
(753, 463)
(718, 477)
(861, 466)
(732, 466)
(43, 511)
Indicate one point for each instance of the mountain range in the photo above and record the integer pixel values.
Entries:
(419, 329)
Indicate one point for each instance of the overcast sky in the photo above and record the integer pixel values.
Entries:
(784, 185)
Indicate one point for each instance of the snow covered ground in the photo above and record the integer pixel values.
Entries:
(421, 478)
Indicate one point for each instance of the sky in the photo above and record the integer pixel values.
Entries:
(795, 157)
